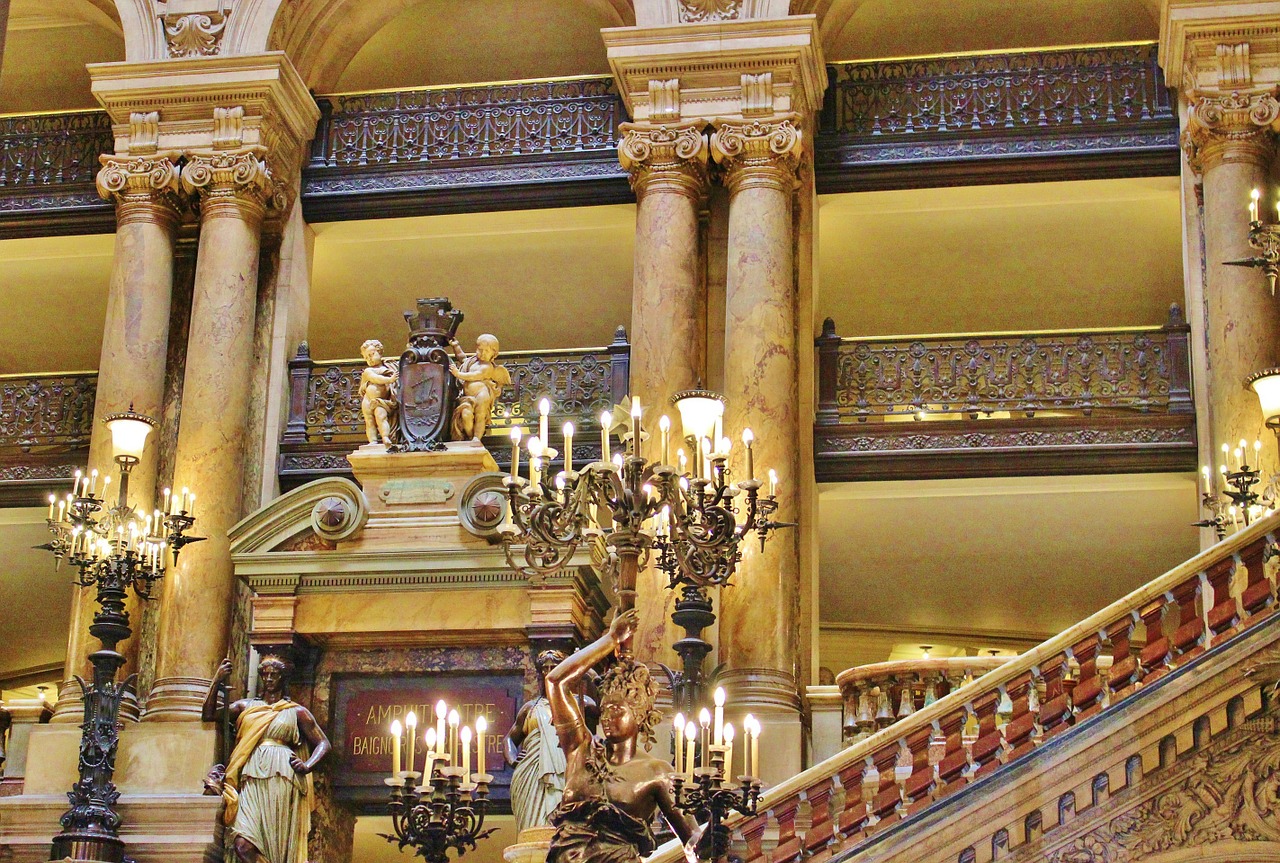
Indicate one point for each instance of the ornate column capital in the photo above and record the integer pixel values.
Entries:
(1231, 127)
(143, 188)
(758, 153)
(666, 158)
(235, 185)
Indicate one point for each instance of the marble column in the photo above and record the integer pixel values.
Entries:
(668, 171)
(761, 611)
(196, 605)
(131, 370)
(1232, 144)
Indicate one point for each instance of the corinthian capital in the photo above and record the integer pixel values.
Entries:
(757, 153)
(1231, 127)
(229, 184)
(665, 158)
(142, 188)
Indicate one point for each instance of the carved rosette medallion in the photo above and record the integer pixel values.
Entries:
(757, 153)
(229, 184)
(665, 158)
(1234, 127)
(142, 189)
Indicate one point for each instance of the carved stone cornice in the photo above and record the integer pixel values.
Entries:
(1232, 127)
(235, 185)
(670, 159)
(758, 153)
(143, 189)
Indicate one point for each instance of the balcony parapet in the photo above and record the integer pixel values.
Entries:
(45, 424)
(507, 145)
(882, 693)
(1009, 117)
(325, 423)
(47, 167)
(1096, 668)
(1005, 404)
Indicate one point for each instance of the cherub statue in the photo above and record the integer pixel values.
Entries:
(378, 384)
(482, 378)
(611, 789)
(266, 787)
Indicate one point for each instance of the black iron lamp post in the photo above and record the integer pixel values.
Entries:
(112, 548)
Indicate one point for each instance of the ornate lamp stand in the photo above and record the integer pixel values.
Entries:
(111, 549)
(1265, 237)
(705, 792)
(1238, 504)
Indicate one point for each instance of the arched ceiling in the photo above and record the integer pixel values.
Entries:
(371, 44)
(46, 48)
(869, 29)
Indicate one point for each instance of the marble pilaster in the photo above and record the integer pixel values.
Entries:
(196, 604)
(131, 371)
(1232, 143)
(667, 165)
(761, 612)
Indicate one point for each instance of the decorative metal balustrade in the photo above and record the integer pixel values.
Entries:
(45, 423)
(47, 167)
(1094, 669)
(445, 148)
(325, 422)
(997, 117)
(983, 405)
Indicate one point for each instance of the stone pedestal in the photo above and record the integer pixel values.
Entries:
(531, 846)
(25, 714)
(826, 719)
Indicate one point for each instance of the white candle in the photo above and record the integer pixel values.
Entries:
(706, 458)
(748, 438)
(1208, 486)
(482, 725)
(453, 738)
(411, 731)
(544, 409)
(441, 710)
(704, 720)
(395, 749)
(728, 751)
(93, 484)
(755, 748)
(516, 434)
(167, 492)
(430, 739)
(53, 498)
(1253, 205)
(535, 461)
(606, 419)
(568, 457)
(678, 726)
(664, 425)
(75, 486)
(681, 460)
(191, 507)
(635, 426)
(773, 483)
(717, 728)
(465, 734)
(691, 741)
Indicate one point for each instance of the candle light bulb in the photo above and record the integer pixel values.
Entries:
(516, 434)
(482, 724)
(704, 717)
(430, 737)
(411, 720)
(690, 730)
(617, 460)
(606, 419)
(441, 709)
(718, 696)
(635, 408)
(678, 723)
(544, 407)
(664, 423)
(728, 734)
(453, 717)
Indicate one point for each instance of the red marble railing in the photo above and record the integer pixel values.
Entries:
(978, 729)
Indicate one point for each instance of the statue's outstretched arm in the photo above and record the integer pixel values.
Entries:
(209, 709)
(563, 679)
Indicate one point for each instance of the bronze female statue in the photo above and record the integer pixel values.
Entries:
(267, 785)
(611, 789)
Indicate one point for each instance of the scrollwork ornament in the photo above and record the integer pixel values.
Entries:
(1233, 127)
(758, 152)
(239, 181)
(695, 11)
(141, 188)
(673, 158)
(195, 35)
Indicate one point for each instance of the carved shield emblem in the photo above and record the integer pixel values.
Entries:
(426, 390)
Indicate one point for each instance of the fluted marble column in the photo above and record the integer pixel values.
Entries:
(131, 370)
(668, 171)
(760, 612)
(195, 611)
(1233, 145)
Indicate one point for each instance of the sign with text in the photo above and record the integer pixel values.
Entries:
(365, 706)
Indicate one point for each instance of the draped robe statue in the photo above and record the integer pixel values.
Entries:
(537, 783)
(267, 785)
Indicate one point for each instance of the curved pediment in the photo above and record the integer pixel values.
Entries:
(333, 509)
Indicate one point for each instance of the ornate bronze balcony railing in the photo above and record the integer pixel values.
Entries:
(1052, 402)
(325, 423)
(996, 117)
(47, 168)
(45, 423)
(443, 148)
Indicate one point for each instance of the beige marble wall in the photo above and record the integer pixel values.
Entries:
(135, 339)
(197, 601)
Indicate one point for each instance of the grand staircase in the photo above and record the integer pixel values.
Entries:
(1148, 730)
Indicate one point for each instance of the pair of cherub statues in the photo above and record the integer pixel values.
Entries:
(480, 374)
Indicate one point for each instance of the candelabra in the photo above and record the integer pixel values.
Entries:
(707, 792)
(693, 514)
(448, 809)
(112, 549)
(1265, 237)
(1238, 504)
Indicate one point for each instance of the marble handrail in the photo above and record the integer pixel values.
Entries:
(880, 694)
(979, 728)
